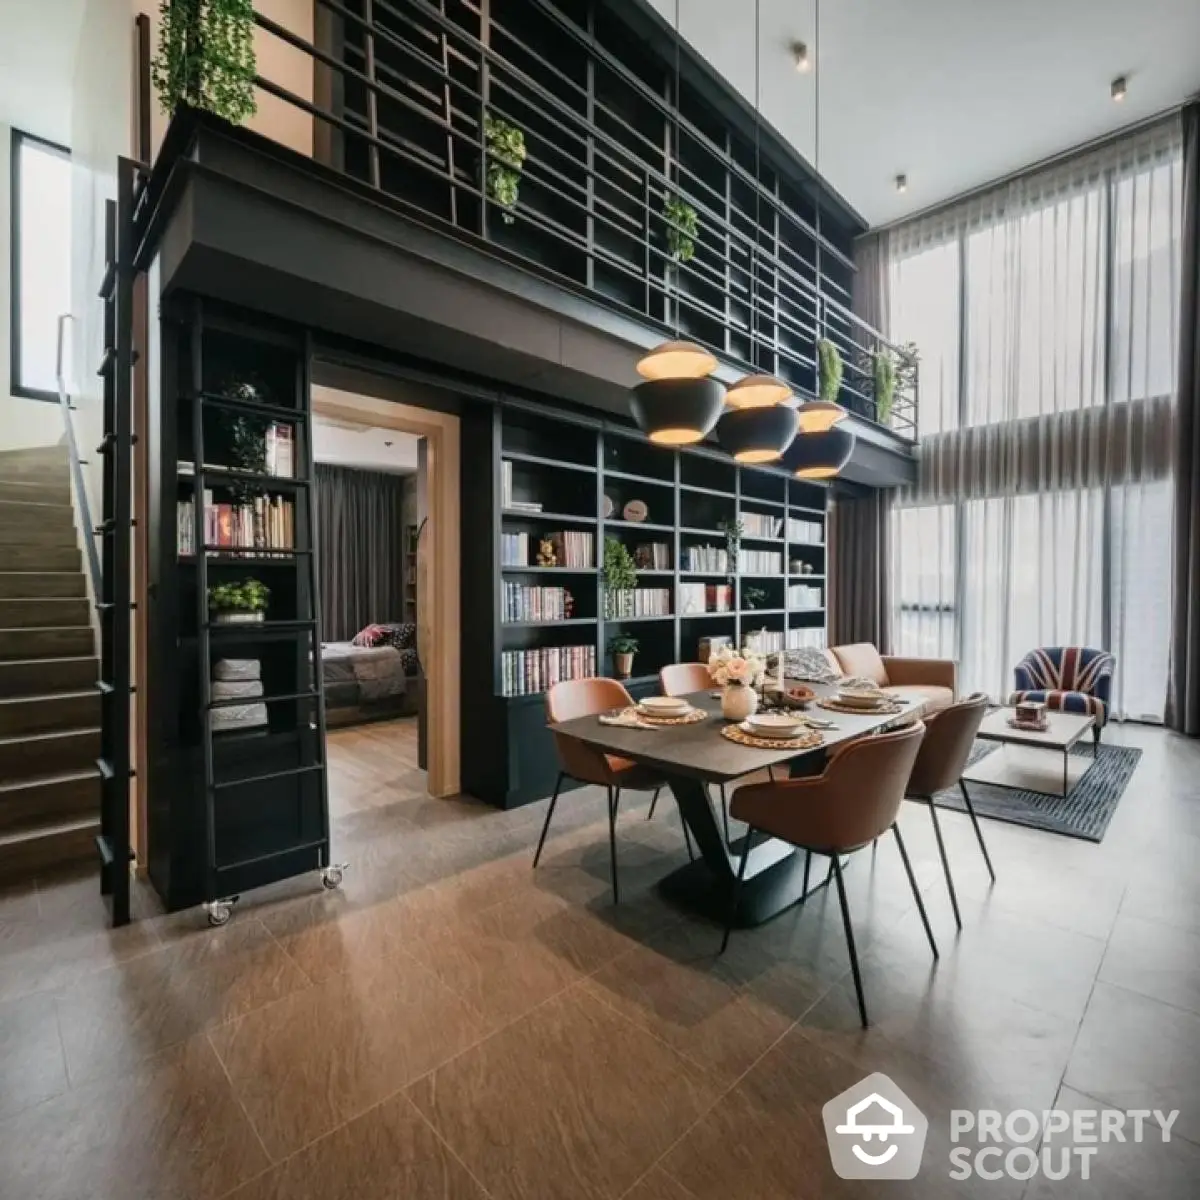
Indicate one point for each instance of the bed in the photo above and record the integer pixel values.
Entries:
(369, 682)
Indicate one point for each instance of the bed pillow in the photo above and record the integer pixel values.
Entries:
(372, 635)
(403, 636)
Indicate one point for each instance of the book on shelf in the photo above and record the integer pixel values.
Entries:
(806, 639)
(805, 533)
(804, 595)
(706, 558)
(761, 525)
(637, 602)
(521, 603)
(266, 523)
(718, 597)
(652, 556)
(704, 597)
(280, 449)
(527, 672)
(763, 641)
(506, 491)
(760, 562)
(571, 549)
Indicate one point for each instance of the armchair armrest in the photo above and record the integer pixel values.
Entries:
(932, 672)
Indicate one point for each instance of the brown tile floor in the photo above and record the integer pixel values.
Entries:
(454, 1025)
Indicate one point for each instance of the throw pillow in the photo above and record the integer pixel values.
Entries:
(809, 664)
(409, 661)
(402, 635)
(372, 635)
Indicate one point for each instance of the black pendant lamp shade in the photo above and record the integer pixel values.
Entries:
(677, 412)
(819, 455)
(757, 435)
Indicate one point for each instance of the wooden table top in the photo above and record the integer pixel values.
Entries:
(700, 752)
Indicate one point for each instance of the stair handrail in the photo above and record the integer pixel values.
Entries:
(85, 512)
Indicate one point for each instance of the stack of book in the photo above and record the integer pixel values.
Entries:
(803, 595)
(526, 672)
(760, 562)
(574, 549)
(520, 603)
(506, 491)
(760, 525)
(805, 533)
(705, 558)
(637, 602)
(652, 556)
(265, 523)
(806, 639)
(764, 641)
(705, 597)
(514, 549)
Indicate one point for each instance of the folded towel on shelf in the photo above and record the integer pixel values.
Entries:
(235, 670)
(229, 689)
(238, 716)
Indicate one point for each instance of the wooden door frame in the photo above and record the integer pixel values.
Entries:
(438, 560)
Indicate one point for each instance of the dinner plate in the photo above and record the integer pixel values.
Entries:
(664, 706)
(774, 725)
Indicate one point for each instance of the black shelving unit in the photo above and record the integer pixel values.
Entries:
(232, 808)
(579, 471)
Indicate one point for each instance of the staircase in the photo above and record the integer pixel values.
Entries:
(49, 703)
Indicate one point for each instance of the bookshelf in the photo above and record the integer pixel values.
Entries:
(532, 481)
(410, 573)
(237, 792)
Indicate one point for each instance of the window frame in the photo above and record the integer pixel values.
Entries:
(19, 138)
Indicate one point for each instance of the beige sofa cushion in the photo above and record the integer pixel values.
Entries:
(936, 698)
(862, 661)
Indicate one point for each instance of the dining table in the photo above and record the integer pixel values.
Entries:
(691, 759)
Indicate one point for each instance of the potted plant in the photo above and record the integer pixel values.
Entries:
(737, 673)
(623, 647)
(733, 531)
(753, 597)
(620, 576)
(505, 161)
(238, 603)
(829, 363)
(883, 375)
(206, 57)
(682, 228)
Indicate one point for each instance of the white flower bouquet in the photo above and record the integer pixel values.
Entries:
(729, 666)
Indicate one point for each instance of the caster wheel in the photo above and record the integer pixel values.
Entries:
(219, 913)
(331, 877)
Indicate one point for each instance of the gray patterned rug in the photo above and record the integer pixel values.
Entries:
(1085, 813)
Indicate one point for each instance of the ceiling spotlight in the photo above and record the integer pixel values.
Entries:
(1118, 88)
(800, 56)
(902, 183)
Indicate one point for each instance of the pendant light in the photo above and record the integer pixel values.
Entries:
(678, 404)
(759, 422)
(818, 416)
(819, 455)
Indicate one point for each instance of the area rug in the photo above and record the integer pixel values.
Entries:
(1084, 814)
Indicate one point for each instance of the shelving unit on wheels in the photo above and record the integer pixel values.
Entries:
(530, 477)
(236, 801)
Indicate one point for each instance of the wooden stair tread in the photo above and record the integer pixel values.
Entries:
(38, 833)
(71, 694)
(38, 781)
(45, 737)
(57, 658)
(47, 629)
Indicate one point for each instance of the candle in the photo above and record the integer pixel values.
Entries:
(779, 669)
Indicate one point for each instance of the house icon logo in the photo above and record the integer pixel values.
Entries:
(875, 1131)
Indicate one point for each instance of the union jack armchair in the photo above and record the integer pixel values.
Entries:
(1067, 679)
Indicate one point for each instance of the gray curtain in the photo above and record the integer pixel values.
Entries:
(360, 547)
(860, 606)
(870, 293)
(1183, 694)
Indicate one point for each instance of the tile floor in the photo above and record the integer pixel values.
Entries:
(455, 1025)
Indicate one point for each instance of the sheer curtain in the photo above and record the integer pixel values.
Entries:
(1045, 314)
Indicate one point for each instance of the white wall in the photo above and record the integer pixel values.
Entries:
(22, 422)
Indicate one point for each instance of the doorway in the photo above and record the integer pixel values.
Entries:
(436, 543)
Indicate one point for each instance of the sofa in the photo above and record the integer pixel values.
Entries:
(934, 679)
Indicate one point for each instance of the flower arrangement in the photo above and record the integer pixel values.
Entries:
(737, 667)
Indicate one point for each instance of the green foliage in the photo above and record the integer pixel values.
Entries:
(733, 531)
(623, 643)
(682, 228)
(753, 597)
(505, 161)
(620, 571)
(884, 377)
(248, 441)
(829, 361)
(206, 57)
(908, 363)
(249, 596)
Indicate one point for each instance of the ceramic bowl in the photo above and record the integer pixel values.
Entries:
(778, 725)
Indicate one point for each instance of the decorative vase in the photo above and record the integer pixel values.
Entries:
(623, 664)
(738, 701)
(230, 616)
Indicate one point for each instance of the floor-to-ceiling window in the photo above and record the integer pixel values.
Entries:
(1044, 312)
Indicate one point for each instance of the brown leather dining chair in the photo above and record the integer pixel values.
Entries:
(582, 698)
(949, 736)
(836, 813)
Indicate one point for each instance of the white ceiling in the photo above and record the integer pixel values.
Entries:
(37, 61)
(952, 93)
(364, 446)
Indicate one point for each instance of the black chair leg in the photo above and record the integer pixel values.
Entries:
(736, 891)
(653, 804)
(725, 814)
(858, 987)
(807, 868)
(916, 891)
(687, 841)
(1095, 739)
(549, 814)
(937, 832)
(614, 799)
(987, 858)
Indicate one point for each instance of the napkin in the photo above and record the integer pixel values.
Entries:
(627, 718)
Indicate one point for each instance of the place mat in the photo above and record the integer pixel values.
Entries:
(803, 741)
(889, 709)
(691, 717)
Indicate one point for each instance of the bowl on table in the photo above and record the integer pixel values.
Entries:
(866, 698)
(773, 725)
(799, 696)
(664, 706)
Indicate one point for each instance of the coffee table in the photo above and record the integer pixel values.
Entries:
(1029, 759)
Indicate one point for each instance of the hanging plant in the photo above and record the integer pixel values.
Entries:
(884, 384)
(829, 361)
(505, 161)
(206, 57)
(682, 228)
